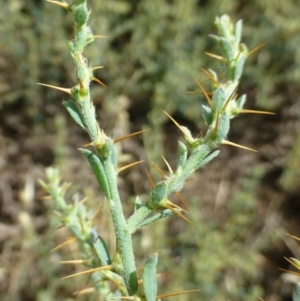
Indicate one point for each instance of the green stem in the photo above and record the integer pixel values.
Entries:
(137, 217)
(123, 235)
(105, 172)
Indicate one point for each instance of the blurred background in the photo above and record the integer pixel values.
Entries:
(241, 205)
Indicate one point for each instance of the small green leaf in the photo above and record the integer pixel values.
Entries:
(207, 114)
(238, 70)
(100, 248)
(182, 154)
(149, 277)
(223, 129)
(113, 155)
(214, 75)
(197, 156)
(207, 159)
(224, 26)
(81, 15)
(152, 219)
(296, 262)
(241, 101)
(159, 192)
(98, 170)
(138, 203)
(219, 98)
(238, 31)
(74, 112)
(226, 48)
(43, 184)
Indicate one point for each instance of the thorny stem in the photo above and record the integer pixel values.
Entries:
(221, 108)
(82, 110)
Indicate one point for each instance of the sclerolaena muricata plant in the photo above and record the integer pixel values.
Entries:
(223, 104)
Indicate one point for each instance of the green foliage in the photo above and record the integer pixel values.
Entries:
(103, 160)
(149, 278)
(142, 62)
(75, 217)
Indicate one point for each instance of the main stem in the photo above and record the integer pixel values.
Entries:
(123, 235)
(124, 263)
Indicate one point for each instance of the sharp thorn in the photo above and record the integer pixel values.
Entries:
(78, 261)
(175, 294)
(55, 230)
(231, 96)
(193, 93)
(210, 77)
(65, 187)
(188, 137)
(199, 93)
(295, 237)
(80, 83)
(63, 244)
(99, 82)
(168, 206)
(97, 67)
(237, 145)
(159, 170)
(215, 56)
(64, 5)
(205, 94)
(46, 197)
(105, 268)
(83, 201)
(94, 214)
(290, 260)
(176, 206)
(124, 298)
(168, 165)
(182, 200)
(99, 37)
(129, 136)
(56, 88)
(91, 286)
(256, 112)
(290, 272)
(84, 291)
(149, 178)
(130, 165)
(257, 48)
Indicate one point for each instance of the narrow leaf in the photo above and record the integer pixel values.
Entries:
(100, 248)
(74, 112)
(218, 98)
(207, 114)
(149, 277)
(238, 31)
(98, 170)
(152, 219)
(207, 159)
(182, 154)
(227, 49)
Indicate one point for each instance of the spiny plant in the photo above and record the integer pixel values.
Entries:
(223, 104)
